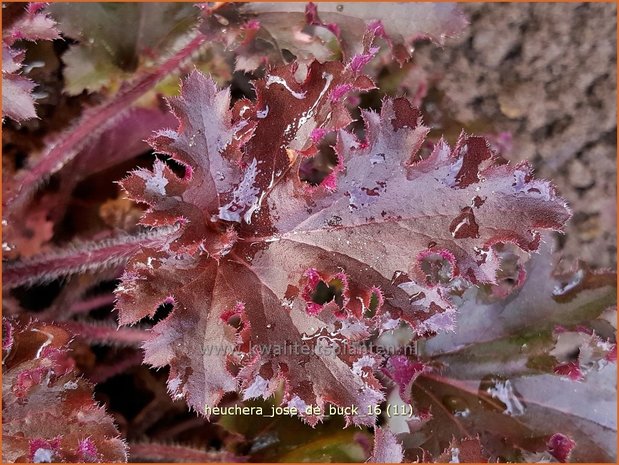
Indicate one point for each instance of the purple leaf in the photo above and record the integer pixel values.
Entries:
(40, 386)
(263, 259)
(387, 449)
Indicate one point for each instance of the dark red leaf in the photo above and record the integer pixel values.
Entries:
(48, 411)
(273, 280)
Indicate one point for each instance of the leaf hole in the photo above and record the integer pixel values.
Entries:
(438, 267)
(162, 312)
(333, 291)
(322, 294)
(176, 167)
(235, 321)
(316, 168)
(374, 304)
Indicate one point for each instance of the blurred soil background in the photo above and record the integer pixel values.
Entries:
(546, 73)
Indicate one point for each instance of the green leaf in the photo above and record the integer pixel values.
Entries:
(115, 39)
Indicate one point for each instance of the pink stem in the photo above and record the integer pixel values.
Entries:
(176, 453)
(78, 258)
(92, 303)
(106, 335)
(60, 311)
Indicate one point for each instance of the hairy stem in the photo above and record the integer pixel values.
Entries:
(78, 258)
(176, 453)
(91, 303)
(105, 334)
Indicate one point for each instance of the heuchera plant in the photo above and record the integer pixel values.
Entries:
(405, 240)
(48, 414)
(257, 243)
